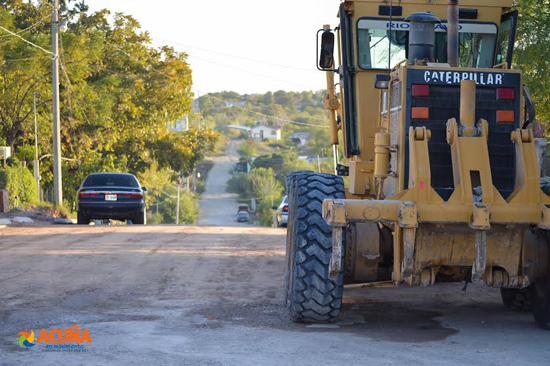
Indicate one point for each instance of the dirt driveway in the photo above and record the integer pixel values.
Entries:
(167, 295)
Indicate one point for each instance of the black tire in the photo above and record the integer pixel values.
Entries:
(82, 219)
(139, 219)
(311, 296)
(291, 188)
(516, 299)
(540, 293)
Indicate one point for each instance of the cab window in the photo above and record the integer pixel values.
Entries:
(376, 44)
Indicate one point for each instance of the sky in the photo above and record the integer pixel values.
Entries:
(247, 46)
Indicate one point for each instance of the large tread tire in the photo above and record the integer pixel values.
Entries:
(311, 296)
(516, 299)
(540, 289)
(291, 189)
(540, 293)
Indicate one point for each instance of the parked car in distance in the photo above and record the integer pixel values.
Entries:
(244, 208)
(243, 216)
(116, 196)
(281, 213)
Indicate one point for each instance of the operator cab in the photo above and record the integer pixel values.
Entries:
(374, 39)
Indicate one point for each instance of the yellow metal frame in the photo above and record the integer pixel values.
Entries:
(421, 205)
(362, 182)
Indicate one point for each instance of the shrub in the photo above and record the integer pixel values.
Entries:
(20, 182)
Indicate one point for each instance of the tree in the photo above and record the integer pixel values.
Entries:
(532, 52)
(118, 93)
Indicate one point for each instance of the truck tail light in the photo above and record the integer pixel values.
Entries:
(420, 90)
(420, 113)
(506, 94)
(506, 116)
(285, 209)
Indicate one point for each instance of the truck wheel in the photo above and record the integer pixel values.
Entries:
(82, 219)
(540, 294)
(291, 189)
(516, 299)
(311, 295)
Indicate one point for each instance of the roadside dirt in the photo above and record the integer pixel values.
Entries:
(173, 295)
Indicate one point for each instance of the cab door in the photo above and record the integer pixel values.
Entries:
(506, 38)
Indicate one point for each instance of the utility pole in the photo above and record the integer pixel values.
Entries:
(36, 166)
(57, 183)
(178, 201)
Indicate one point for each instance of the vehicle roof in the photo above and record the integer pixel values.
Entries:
(111, 173)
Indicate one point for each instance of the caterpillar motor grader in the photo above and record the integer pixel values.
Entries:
(443, 175)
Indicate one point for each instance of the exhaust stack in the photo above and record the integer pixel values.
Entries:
(452, 33)
(421, 37)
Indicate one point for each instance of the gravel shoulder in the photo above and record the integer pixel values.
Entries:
(192, 295)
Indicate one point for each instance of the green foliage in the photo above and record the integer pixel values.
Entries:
(161, 197)
(282, 163)
(248, 150)
(262, 185)
(241, 185)
(19, 181)
(118, 94)
(532, 52)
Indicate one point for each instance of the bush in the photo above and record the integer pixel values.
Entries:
(199, 187)
(20, 182)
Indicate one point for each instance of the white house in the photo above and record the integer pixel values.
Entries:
(265, 132)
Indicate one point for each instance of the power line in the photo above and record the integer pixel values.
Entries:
(29, 28)
(268, 116)
(248, 71)
(236, 56)
(211, 96)
(27, 41)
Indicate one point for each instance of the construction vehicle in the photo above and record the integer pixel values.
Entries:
(443, 175)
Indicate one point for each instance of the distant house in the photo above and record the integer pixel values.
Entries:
(301, 138)
(180, 125)
(265, 132)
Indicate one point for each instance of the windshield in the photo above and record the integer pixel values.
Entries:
(110, 180)
(477, 43)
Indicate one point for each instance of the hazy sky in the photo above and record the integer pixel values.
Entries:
(249, 46)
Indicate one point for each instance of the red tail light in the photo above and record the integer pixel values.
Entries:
(88, 194)
(134, 195)
(285, 209)
(506, 94)
(420, 90)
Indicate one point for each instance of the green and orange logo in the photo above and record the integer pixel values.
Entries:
(64, 339)
(26, 339)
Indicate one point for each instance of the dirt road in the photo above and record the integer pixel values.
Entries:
(216, 205)
(166, 295)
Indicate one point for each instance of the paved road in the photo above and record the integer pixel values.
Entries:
(218, 207)
(167, 295)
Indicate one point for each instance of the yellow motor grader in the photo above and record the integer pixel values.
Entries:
(442, 181)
